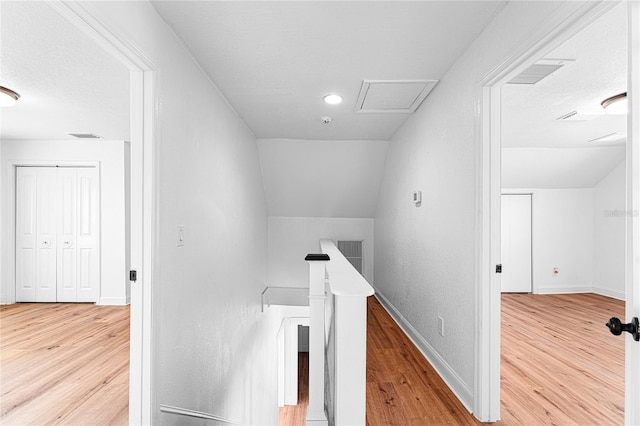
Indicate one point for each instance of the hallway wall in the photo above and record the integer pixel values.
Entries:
(425, 257)
(214, 351)
(292, 238)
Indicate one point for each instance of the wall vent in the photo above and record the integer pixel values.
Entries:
(393, 96)
(352, 250)
(540, 70)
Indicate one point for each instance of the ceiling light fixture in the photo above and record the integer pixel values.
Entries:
(616, 104)
(8, 98)
(332, 99)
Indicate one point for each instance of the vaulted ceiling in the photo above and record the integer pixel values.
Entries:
(274, 60)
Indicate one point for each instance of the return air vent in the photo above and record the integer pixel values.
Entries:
(540, 70)
(352, 250)
(393, 96)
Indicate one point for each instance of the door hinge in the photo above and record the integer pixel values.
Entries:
(499, 269)
(133, 275)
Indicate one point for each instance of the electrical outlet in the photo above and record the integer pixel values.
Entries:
(556, 272)
(180, 235)
(440, 325)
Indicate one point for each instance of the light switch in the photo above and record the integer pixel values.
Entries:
(180, 235)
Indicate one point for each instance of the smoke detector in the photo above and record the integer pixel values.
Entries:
(326, 120)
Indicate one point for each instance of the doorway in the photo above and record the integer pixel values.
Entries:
(568, 24)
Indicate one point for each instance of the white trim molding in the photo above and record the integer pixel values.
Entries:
(143, 190)
(446, 372)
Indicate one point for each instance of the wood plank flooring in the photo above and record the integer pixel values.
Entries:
(560, 365)
(297, 414)
(64, 364)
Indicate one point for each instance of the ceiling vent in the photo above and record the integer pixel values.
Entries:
(393, 96)
(611, 138)
(579, 116)
(540, 70)
(85, 135)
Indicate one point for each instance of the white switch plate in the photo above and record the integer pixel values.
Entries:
(440, 326)
(180, 235)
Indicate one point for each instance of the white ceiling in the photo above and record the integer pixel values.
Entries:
(66, 82)
(274, 60)
(530, 112)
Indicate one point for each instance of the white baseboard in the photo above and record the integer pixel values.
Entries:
(114, 301)
(450, 377)
(608, 293)
(572, 290)
(563, 290)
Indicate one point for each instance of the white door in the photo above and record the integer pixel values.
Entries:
(57, 249)
(77, 259)
(516, 243)
(632, 347)
(36, 235)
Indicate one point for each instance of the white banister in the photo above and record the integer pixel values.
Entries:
(345, 339)
(316, 410)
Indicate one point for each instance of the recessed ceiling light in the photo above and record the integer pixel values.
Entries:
(8, 97)
(333, 99)
(616, 104)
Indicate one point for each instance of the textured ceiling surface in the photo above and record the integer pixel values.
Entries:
(274, 60)
(542, 151)
(66, 82)
(530, 112)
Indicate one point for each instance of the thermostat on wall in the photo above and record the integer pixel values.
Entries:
(417, 198)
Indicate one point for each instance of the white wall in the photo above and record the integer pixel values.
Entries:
(213, 350)
(112, 157)
(292, 238)
(562, 237)
(609, 200)
(425, 258)
(320, 178)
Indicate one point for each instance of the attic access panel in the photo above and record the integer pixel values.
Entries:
(393, 96)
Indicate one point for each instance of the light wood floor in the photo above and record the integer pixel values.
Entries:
(560, 365)
(64, 364)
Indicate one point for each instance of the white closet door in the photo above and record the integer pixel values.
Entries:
(57, 232)
(87, 235)
(516, 243)
(67, 248)
(36, 230)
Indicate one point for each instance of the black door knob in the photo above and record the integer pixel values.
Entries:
(617, 327)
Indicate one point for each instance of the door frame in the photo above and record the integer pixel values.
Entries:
(632, 276)
(143, 197)
(568, 20)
